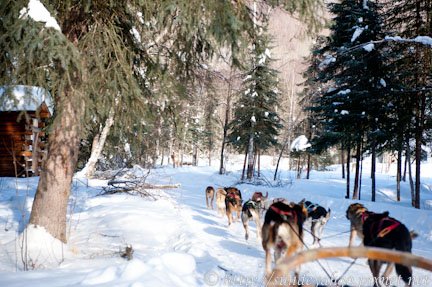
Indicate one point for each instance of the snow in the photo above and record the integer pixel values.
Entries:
(301, 143)
(37, 11)
(358, 31)
(365, 5)
(253, 119)
(177, 241)
(127, 149)
(136, 34)
(344, 112)
(369, 47)
(344, 92)
(24, 98)
(262, 58)
(383, 83)
(327, 61)
(425, 40)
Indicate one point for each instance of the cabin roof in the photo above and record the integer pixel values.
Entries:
(24, 98)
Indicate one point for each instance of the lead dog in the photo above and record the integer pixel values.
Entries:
(381, 230)
(209, 192)
(282, 231)
(252, 211)
(319, 217)
(233, 203)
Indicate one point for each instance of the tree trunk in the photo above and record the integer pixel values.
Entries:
(244, 164)
(250, 165)
(342, 158)
(279, 159)
(361, 173)
(348, 171)
(259, 163)
(398, 172)
(308, 159)
(417, 166)
(357, 172)
(225, 127)
(405, 167)
(373, 170)
(51, 199)
(412, 188)
(299, 167)
(157, 141)
(195, 155)
(97, 146)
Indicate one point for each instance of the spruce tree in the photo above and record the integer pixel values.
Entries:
(412, 67)
(256, 124)
(352, 74)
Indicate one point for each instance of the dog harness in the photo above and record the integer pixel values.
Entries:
(232, 197)
(285, 214)
(381, 231)
(253, 204)
(384, 231)
(311, 207)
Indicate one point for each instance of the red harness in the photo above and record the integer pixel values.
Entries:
(233, 198)
(382, 231)
(285, 213)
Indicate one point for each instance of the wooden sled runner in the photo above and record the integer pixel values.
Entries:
(285, 266)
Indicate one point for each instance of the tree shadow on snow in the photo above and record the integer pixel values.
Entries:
(248, 248)
(204, 219)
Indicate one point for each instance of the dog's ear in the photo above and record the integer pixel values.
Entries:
(348, 212)
(302, 201)
(386, 213)
(302, 211)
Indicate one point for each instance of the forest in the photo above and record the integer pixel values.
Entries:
(175, 82)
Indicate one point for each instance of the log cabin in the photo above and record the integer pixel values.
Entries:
(24, 112)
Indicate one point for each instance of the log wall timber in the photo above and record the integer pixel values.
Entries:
(22, 142)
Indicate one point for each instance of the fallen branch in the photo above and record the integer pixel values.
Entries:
(134, 187)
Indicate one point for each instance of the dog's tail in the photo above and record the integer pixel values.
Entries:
(328, 213)
(413, 234)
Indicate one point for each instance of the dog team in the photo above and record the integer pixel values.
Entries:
(282, 229)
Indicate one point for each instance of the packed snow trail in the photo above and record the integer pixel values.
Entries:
(228, 259)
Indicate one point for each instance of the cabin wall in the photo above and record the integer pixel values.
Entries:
(18, 154)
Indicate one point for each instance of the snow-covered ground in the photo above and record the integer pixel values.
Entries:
(176, 240)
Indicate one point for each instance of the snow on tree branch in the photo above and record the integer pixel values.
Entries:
(425, 40)
(301, 143)
(37, 11)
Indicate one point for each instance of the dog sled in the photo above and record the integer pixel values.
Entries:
(287, 265)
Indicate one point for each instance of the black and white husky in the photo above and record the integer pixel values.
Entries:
(319, 217)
